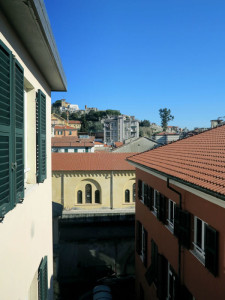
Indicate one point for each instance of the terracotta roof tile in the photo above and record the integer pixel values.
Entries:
(199, 159)
(74, 122)
(64, 127)
(90, 161)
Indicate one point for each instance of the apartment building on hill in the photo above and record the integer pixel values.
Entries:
(180, 218)
(120, 128)
(30, 68)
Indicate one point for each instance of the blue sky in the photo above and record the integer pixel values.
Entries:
(138, 56)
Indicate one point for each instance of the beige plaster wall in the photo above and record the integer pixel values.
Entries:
(26, 232)
(112, 195)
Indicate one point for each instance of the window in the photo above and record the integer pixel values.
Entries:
(70, 132)
(139, 189)
(66, 150)
(171, 208)
(86, 149)
(134, 192)
(75, 150)
(199, 238)
(59, 132)
(206, 245)
(141, 242)
(155, 201)
(79, 197)
(88, 191)
(127, 196)
(43, 280)
(11, 131)
(172, 283)
(97, 196)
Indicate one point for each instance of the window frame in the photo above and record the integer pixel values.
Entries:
(199, 250)
(170, 219)
(155, 202)
(127, 196)
(88, 194)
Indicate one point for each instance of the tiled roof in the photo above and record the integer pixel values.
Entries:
(198, 160)
(64, 127)
(167, 133)
(118, 144)
(65, 141)
(91, 162)
(74, 122)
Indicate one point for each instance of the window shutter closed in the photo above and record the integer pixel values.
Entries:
(139, 189)
(211, 250)
(41, 136)
(138, 237)
(146, 194)
(19, 130)
(5, 130)
(162, 211)
(151, 273)
(43, 280)
(162, 273)
(145, 248)
(176, 220)
(184, 229)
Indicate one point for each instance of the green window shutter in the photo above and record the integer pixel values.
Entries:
(41, 136)
(162, 276)
(211, 249)
(184, 228)
(43, 280)
(162, 209)
(176, 220)
(6, 185)
(145, 248)
(151, 273)
(139, 189)
(138, 237)
(145, 194)
(18, 85)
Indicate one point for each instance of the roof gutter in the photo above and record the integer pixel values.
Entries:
(204, 190)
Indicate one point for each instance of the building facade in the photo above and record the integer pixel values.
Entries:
(120, 128)
(180, 215)
(30, 69)
(93, 181)
(73, 145)
(63, 130)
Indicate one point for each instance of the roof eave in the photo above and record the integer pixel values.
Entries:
(197, 187)
(30, 21)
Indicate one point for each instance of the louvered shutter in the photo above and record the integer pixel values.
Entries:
(138, 237)
(145, 248)
(162, 211)
(151, 274)
(6, 187)
(162, 276)
(211, 250)
(145, 194)
(43, 280)
(184, 228)
(18, 107)
(176, 220)
(41, 136)
(139, 189)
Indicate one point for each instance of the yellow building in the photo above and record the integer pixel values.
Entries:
(93, 180)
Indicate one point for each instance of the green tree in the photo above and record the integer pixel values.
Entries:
(144, 123)
(165, 115)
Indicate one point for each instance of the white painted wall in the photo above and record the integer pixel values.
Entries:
(26, 232)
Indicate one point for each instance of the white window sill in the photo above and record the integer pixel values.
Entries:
(170, 228)
(200, 257)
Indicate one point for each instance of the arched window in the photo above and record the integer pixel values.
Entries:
(134, 192)
(127, 196)
(88, 193)
(97, 196)
(79, 197)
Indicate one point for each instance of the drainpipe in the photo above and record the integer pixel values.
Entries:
(179, 244)
(62, 189)
(111, 190)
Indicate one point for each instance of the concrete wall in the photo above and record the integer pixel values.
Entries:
(26, 232)
(112, 186)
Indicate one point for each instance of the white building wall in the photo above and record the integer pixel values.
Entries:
(26, 231)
